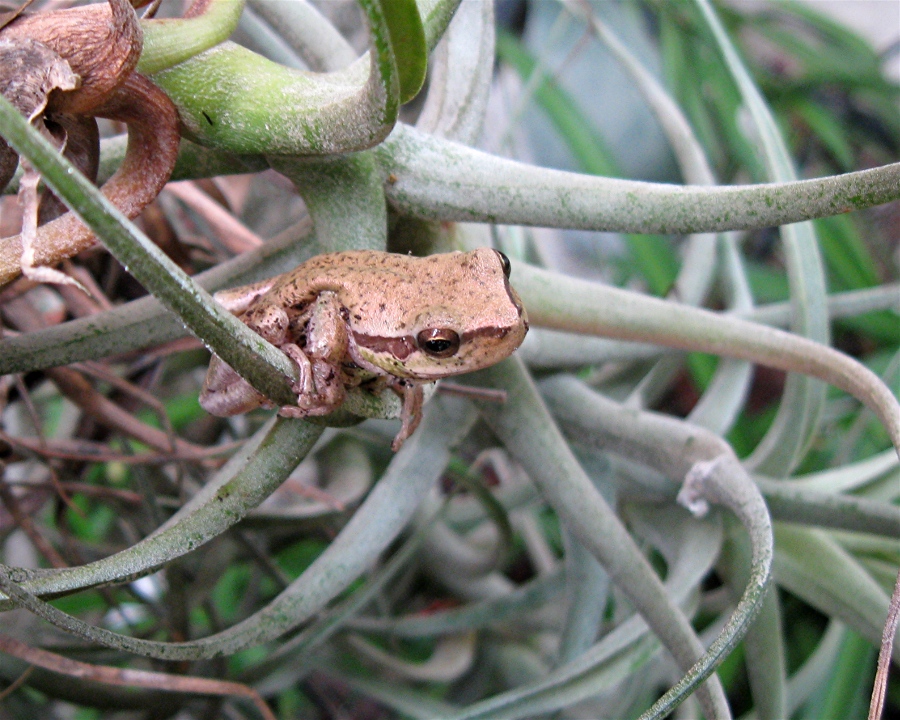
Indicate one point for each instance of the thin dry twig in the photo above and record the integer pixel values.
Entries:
(16, 684)
(102, 372)
(79, 304)
(879, 687)
(123, 677)
(102, 491)
(230, 231)
(97, 406)
(23, 521)
(74, 386)
(89, 451)
(38, 426)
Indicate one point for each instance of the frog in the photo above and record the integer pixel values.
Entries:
(376, 320)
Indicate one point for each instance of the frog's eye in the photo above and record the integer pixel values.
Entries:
(438, 342)
(504, 261)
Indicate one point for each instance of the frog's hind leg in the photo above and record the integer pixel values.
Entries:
(225, 393)
(237, 300)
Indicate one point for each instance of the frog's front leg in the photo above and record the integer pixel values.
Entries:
(411, 414)
(320, 389)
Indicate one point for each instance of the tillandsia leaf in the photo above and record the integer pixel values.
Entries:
(575, 305)
(810, 564)
(267, 368)
(374, 526)
(461, 74)
(726, 391)
(711, 473)
(308, 33)
(508, 608)
(168, 42)
(344, 197)
(847, 477)
(408, 44)
(146, 322)
(452, 656)
(416, 704)
(436, 16)
(627, 649)
(526, 428)
(690, 552)
(347, 476)
(587, 146)
(235, 100)
(441, 180)
(764, 642)
(803, 400)
(339, 617)
(588, 583)
(242, 484)
(830, 510)
(323, 48)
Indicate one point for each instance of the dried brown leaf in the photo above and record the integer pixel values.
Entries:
(29, 72)
(101, 43)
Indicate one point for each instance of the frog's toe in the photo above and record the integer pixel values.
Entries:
(292, 411)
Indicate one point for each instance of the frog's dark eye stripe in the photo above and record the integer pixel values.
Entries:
(438, 342)
(504, 261)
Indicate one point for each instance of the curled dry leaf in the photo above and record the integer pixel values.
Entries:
(80, 138)
(100, 45)
(29, 71)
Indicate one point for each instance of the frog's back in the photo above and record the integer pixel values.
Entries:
(350, 274)
(391, 289)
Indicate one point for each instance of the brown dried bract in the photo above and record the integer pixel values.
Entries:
(29, 72)
(101, 43)
(75, 65)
